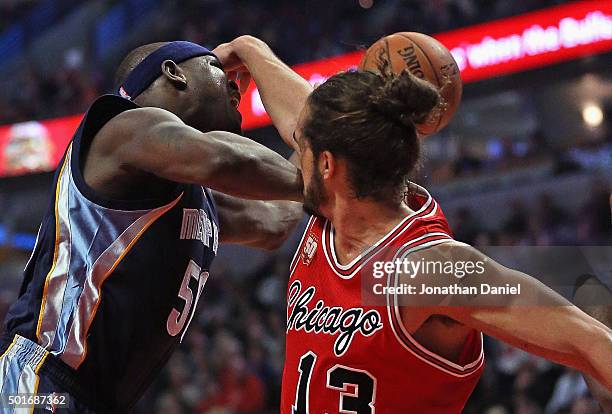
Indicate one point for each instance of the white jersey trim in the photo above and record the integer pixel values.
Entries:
(380, 240)
(333, 261)
(443, 363)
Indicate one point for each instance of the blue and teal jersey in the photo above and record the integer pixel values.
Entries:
(112, 285)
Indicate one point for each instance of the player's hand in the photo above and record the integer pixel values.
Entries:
(228, 55)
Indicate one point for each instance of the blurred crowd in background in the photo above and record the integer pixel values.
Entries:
(338, 26)
(231, 359)
(34, 94)
(12, 10)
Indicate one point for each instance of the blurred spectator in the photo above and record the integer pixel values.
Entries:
(585, 405)
(13, 10)
(168, 404)
(239, 390)
(34, 95)
(594, 220)
(515, 227)
(569, 387)
(466, 227)
(466, 163)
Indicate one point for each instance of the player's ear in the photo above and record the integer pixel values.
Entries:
(174, 74)
(327, 164)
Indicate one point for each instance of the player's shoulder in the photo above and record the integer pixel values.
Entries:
(134, 121)
(443, 249)
(145, 115)
(109, 136)
(427, 215)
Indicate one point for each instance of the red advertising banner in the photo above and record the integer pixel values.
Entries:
(35, 146)
(491, 49)
(483, 51)
(531, 40)
(253, 113)
(500, 47)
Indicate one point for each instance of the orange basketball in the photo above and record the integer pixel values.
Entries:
(427, 59)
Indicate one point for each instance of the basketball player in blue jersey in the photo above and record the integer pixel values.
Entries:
(147, 188)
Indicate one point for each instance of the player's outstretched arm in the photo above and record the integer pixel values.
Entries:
(260, 224)
(283, 92)
(538, 320)
(155, 141)
(595, 298)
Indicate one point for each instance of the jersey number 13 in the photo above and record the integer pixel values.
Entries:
(360, 400)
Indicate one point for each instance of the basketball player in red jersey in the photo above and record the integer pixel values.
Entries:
(357, 143)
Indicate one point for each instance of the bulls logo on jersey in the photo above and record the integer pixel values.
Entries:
(309, 250)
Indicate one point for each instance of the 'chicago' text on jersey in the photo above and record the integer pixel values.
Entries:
(329, 320)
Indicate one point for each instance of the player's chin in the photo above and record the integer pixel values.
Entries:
(310, 209)
(310, 206)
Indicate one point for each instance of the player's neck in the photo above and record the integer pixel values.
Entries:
(358, 224)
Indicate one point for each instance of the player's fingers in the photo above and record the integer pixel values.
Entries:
(232, 75)
(222, 51)
(225, 54)
(245, 80)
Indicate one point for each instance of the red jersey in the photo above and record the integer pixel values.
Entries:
(344, 355)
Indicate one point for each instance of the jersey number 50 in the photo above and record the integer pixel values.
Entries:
(177, 319)
(339, 377)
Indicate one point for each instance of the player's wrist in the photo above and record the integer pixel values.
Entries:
(248, 48)
(598, 353)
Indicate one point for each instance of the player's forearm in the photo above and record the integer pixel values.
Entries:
(278, 220)
(283, 92)
(562, 334)
(569, 337)
(578, 340)
(222, 161)
(247, 169)
(587, 346)
(598, 352)
(559, 332)
(595, 299)
(538, 320)
(256, 223)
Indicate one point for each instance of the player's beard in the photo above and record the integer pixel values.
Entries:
(314, 195)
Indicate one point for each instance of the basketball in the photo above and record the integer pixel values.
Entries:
(427, 59)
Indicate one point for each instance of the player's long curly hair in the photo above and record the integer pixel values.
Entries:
(369, 120)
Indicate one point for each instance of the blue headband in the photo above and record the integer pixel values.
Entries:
(145, 73)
